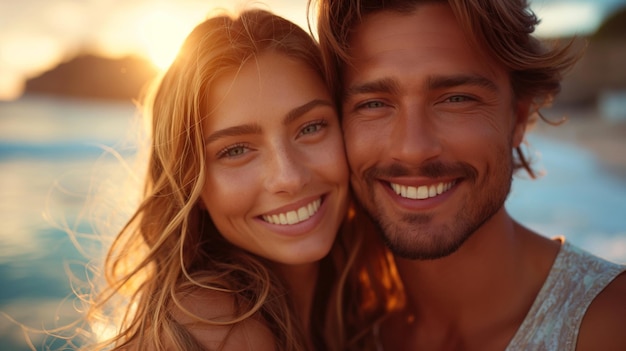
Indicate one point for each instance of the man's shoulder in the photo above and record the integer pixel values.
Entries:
(602, 326)
(579, 263)
(583, 298)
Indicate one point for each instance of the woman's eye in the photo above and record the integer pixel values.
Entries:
(232, 151)
(312, 127)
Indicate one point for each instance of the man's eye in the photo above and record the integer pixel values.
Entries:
(373, 104)
(459, 98)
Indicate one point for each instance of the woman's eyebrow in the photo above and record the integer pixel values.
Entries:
(244, 129)
(254, 128)
(303, 109)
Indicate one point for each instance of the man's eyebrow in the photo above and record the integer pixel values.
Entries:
(384, 85)
(254, 128)
(443, 82)
(303, 109)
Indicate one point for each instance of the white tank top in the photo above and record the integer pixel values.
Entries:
(553, 321)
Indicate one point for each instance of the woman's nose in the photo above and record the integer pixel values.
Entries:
(286, 173)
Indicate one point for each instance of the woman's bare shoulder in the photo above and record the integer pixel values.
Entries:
(202, 305)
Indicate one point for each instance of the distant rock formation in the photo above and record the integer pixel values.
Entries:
(614, 27)
(96, 77)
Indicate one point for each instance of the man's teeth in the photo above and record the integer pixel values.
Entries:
(421, 192)
(293, 217)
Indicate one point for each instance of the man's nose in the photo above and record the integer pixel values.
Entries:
(415, 137)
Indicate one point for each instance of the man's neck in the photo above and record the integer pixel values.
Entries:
(483, 289)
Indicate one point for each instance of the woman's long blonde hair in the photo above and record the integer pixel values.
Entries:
(170, 247)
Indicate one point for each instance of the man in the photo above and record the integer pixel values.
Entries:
(436, 97)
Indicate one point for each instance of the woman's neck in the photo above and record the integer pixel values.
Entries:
(301, 281)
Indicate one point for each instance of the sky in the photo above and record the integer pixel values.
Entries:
(36, 35)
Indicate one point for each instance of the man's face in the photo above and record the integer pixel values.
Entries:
(429, 126)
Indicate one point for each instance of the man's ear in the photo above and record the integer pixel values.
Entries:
(522, 118)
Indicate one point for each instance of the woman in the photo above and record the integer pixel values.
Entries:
(246, 190)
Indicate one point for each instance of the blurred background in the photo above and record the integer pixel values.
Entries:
(70, 74)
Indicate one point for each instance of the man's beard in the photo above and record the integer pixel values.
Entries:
(413, 235)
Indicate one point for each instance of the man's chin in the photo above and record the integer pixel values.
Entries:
(421, 253)
(417, 238)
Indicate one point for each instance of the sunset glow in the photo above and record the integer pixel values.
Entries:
(36, 38)
(152, 31)
(161, 35)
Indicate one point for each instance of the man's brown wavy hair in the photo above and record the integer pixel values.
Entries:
(503, 29)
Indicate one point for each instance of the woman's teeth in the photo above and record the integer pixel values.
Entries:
(294, 217)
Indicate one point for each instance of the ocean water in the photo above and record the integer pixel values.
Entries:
(54, 159)
(55, 154)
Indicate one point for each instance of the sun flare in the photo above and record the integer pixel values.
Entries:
(161, 35)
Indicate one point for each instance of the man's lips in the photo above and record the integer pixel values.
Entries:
(423, 191)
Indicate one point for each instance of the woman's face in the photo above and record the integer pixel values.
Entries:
(277, 179)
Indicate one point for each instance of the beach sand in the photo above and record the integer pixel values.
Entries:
(606, 138)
